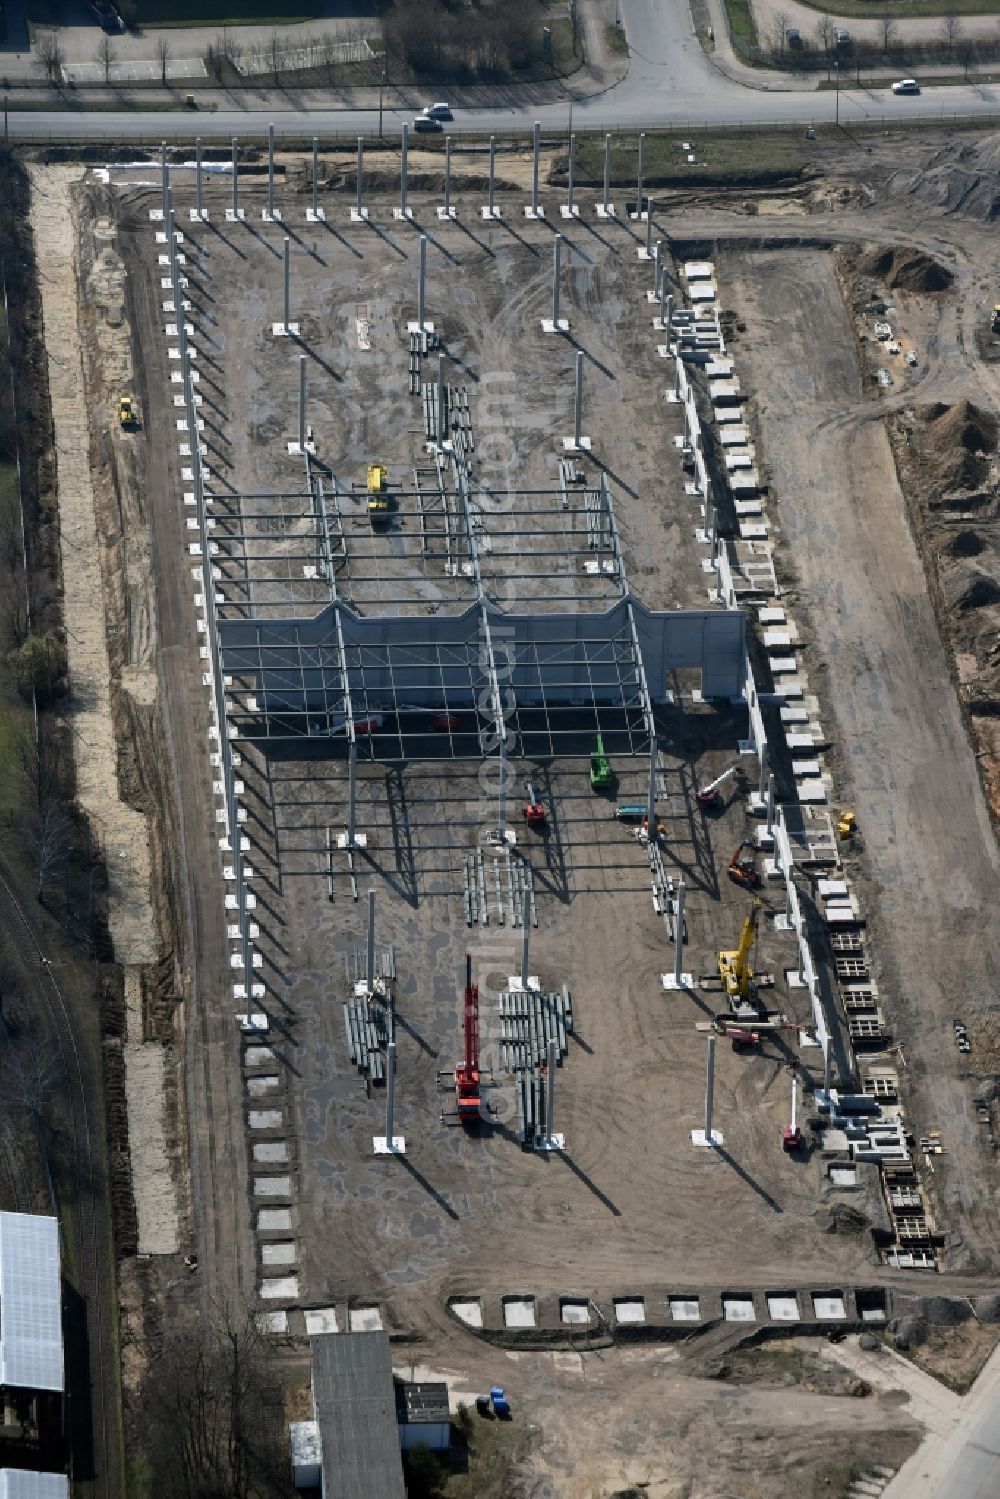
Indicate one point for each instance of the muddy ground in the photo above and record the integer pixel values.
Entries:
(633, 1206)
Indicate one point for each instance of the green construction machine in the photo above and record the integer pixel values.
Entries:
(602, 777)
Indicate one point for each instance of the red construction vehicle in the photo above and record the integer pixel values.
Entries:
(534, 811)
(743, 865)
(711, 795)
(791, 1135)
(467, 1073)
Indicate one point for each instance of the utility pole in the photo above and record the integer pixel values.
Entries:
(381, 86)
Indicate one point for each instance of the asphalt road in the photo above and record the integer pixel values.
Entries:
(670, 82)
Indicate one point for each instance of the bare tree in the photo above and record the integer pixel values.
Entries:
(887, 30)
(824, 37)
(331, 53)
(275, 51)
(50, 55)
(780, 31)
(51, 841)
(214, 1412)
(967, 52)
(163, 56)
(106, 55)
(951, 26)
(40, 762)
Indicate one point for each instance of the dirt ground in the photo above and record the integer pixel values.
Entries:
(633, 1207)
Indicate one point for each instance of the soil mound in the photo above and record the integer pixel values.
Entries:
(963, 180)
(905, 270)
(979, 592)
(958, 441)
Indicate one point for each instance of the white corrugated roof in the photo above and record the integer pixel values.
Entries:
(31, 1345)
(15, 1484)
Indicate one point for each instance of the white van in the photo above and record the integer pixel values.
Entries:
(906, 86)
(438, 111)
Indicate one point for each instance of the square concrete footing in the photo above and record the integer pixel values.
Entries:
(401, 214)
(285, 330)
(550, 1142)
(270, 218)
(570, 445)
(359, 215)
(708, 1142)
(793, 980)
(606, 213)
(534, 213)
(670, 981)
(381, 1145)
(490, 213)
(344, 840)
(569, 213)
(447, 213)
(236, 216)
(548, 326)
(198, 216)
(316, 216)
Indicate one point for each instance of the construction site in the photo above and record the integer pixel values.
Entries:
(519, 646)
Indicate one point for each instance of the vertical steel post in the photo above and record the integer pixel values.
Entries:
(164, 176)
(421, 282)
(352, 793)
(639, 185)
(288, 282)
(607, 172)
(403, 169)
(663, 303)
(502, 795)
(578, 409)
(370, 959)
(709, 1083)
(315, 174)
(649, 230)
(236, 180)
(525, 941)
(550, 1088)
(670, 307)
(657, 267)
(447, 177)
(441, 419)
(302, 403)
(770, 805)
(827, 1070)
(536, 143)
(679, 936)
(569, 180)
(651, 792)
(390, 1091)
(270, 171)
(493, 163)
(762, 756)
(361, 172)
(197, 178)
(557, 257)
(795, 1101)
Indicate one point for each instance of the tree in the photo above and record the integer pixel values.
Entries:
(106, 55)
(275, 52)
(40, 761)
(163, 56)
(51, 841)
(951, 26)
(824, 37)
(50, 55)
(40, 664)
(887, 30)
(213, 1413)
(780, 24)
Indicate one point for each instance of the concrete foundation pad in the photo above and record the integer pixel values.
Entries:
(575, 1313)
(274, 1220)
(491, 213)
(266, 1118)
(709, 1142)
(236, 216)
(738, 1309)
(829, 1308)
(271, 1152)
(686, 981)
(276, 1322)
(401, 214)
(568, 213)
(316, 216)
(259, 1086)
(447, 213)
(519, 1311)
(359, 215)
(605, 211)
(382, 1145)
(534, 213)
(284, 330)
(783, 1309)
(320, 1320)
(684, 1308)
(272, 1186)
(270, 217)
(282, 1252)
(629, 1309)
(550, 1142)
(198, 216)
(570, 445)
(792, 979)
(469, 1312)
(416, 327)
(364, 1319)
(344, 840)
(280, 1288)
(548, 326)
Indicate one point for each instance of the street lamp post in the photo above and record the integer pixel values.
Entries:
(837, 115)
(381, 86)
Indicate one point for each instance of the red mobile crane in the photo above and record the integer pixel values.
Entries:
(467, 1073)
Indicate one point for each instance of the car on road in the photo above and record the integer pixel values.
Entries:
(906, 86)
(424, 123)
(108, 17)
(841, 36)
(439, 111)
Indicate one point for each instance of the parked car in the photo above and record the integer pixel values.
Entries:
(793, 37)
(107, 17)
(906, 86)
(439, 111)
(841, 36)
(424, 123)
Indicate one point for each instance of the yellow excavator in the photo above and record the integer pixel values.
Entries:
(735, 968)
(378, 494)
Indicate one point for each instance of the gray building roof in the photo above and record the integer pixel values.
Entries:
(15, 1484)
(31, 1344)
(355, 1406)
(420, 1404)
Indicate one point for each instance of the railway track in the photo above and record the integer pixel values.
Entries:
(92, 1250)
